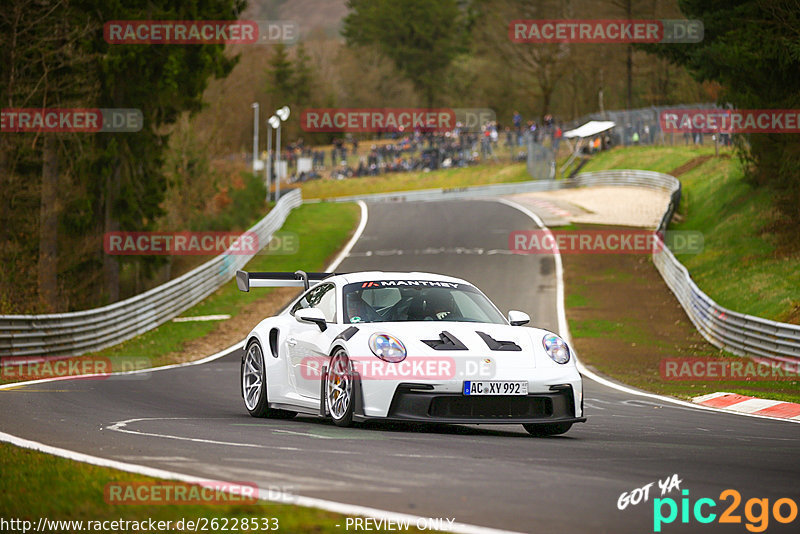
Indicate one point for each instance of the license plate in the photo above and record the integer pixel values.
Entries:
(494, 387)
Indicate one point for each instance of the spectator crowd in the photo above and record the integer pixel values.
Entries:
(418, 150)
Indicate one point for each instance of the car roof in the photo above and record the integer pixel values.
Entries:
(376, 276)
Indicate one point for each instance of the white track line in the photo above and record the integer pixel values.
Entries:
(356, 236)
(563, 328)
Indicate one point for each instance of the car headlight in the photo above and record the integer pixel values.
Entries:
(387, 348)
(556, 348)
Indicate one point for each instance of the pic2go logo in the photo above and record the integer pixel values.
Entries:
(757, 512)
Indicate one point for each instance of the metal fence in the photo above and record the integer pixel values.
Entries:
(541, 160)
(76, 333)
(641, 126)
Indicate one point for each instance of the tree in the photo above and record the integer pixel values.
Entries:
(540, 65)
(755, 73)
(303, 76)
(46, 60)
(420, 37)
(162, 81)
(54, 55)
(281, 80)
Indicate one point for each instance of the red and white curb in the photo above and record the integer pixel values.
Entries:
(751, 405)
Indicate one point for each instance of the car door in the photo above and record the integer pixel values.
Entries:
(307, 346)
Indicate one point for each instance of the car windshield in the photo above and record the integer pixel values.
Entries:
(404, 300)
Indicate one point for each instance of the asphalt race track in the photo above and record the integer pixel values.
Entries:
(192, 420)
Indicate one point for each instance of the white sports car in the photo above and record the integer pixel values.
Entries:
(405, 347)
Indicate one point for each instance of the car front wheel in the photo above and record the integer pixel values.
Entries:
(339, 389)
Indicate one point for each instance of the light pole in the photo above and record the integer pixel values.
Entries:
(280, 116)
(272, 124)
(254, 105)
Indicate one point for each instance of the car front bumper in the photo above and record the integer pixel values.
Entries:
(421, 403)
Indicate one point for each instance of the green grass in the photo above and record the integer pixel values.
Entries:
(322, 229)
(648, 158)
(483, 174)
(36, 485)
(576, 300)
(742, 266)
(601, 328)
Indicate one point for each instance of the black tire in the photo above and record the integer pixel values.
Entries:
(339, 389)
(253, 381)
(551, 429)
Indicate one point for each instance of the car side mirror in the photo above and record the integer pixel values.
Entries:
(313, 316)
(518, 318)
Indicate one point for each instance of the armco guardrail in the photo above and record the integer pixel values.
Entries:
(623, 177)
(735, 332)
(76, 333)
(452, 193)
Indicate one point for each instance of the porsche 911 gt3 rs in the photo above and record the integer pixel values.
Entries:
(405, 346)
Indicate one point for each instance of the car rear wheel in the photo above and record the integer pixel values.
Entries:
(339, 389)
(552, 429)
(254, 385)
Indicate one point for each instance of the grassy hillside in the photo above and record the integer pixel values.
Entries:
(649, 158)
(743, 266)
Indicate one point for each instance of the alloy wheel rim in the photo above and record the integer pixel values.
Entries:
(339, 385)
(252, 376)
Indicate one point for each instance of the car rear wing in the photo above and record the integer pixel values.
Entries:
(245, 280)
